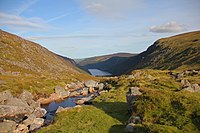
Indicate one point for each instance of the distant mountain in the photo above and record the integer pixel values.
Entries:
(22, 59)
(105, 63)
(176, 52)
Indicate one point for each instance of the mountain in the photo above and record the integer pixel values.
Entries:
(105, 62)
(23, 62)
(176, 52)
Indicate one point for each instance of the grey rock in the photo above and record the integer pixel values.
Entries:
(130, 128)
(61, 92)
(90, 83)
(84, 91)
(39, 112)
(134, 91)
(37, 123)
(21, 128)
(196, 87)
(8, 111)
(130, 76)
(74, 93)
(185, 83)
(100, 86)
(29, 120)
(134, 119)
(4, 96)
(60, 109)
(7, 126)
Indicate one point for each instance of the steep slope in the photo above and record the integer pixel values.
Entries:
(21, 60)
(105, 63)
(176, 52)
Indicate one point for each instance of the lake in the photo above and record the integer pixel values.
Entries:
(97, 72)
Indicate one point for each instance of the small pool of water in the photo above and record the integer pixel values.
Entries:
(97, 72)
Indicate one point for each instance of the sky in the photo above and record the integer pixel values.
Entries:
(86, 28)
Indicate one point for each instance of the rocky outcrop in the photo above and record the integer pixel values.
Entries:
(63, 93)
(21, 114)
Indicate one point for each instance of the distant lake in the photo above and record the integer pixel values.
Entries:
(97, 72)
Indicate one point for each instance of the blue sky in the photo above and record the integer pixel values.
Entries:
(84, 28)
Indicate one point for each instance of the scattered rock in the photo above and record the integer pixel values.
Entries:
(134, 119)
(37, 123)
(74, 94)
(21, 128)
(80, 102)
(60, 109)
(7, 126)
(90, 83)
(39, 112)
(61, 92)
(91, 90)
(185, 83)
(130, 76)
(193, 88)
(4, 96)
(134, 91)
(130, 128)
(84, 91)
(100, 86)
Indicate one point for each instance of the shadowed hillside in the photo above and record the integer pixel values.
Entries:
(176, 52)
(105, 63)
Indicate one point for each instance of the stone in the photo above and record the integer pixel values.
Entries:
(26, 96)
(74, 94)
(7, 126)
(60, 109)
(61, 92)
(84, 91)
(130, 128)
(79, 102)
(8, 111)
(91, 90)
(180, 75)
(29, 120)
(39, 112)
(77, 106)
(90, 83)
(134, 119)
(21, 128)
(4, 96)
(185, 83)
(130, 76)
(134, 91)
(37, 123)
(100, 86)
(196, 87)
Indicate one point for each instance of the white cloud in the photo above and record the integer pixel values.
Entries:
(169, 27)
(109, 9)
(18, 22)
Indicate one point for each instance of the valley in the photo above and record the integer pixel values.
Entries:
(153, 91)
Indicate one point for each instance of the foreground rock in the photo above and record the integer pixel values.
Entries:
(21, 114)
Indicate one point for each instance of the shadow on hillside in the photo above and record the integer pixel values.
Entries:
(118, 111)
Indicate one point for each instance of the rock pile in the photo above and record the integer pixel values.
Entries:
(21, 114)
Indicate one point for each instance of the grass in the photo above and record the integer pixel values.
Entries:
(163, 107)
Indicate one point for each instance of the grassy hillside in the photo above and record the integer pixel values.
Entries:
(105, 63)
(27, 65)
(176, 52)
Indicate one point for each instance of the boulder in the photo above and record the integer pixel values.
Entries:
(130, 76)
(60, 109)
(79, 102)
(196, 87)
(37, 123)
(7, 126)
(91, 90)
(8, 111)
(26, 96)
(100, 86)
(39, 112)
(134, 91)
(90, 83)
(185, 83)
(84, 91)
(29, 120)
(61, 92)
(135, 120)
(74, 94)
(21, 128)
(4, 96)
(130, 128)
